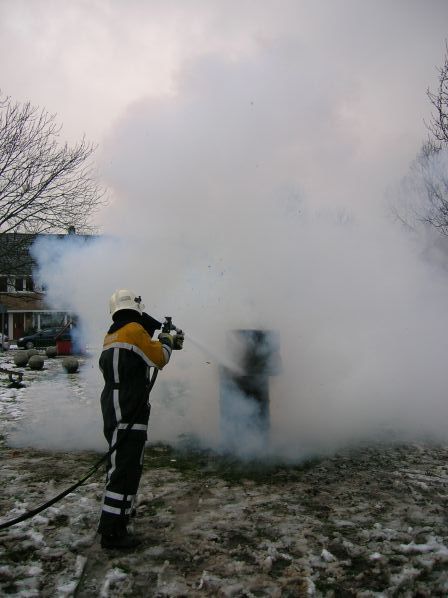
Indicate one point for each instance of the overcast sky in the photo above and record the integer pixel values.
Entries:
(342, 82)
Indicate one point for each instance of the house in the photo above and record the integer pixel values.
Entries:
(23, 309)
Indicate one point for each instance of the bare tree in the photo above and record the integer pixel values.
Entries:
(439, 99)
(431, 168)
(426, 187)
(432, 161)
(45, 185)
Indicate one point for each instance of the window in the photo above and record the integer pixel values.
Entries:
(19, 284)
(22, 283)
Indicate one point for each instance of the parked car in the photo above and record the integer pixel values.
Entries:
(43, 338)
(4, 342)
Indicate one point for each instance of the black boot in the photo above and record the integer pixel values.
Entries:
(121, 542)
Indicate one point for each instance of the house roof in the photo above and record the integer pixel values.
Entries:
(15, 256)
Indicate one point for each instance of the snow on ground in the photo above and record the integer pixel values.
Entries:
(367, 522)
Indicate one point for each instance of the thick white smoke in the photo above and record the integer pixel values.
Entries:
(224, 218)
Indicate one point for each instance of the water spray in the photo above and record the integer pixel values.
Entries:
(168, 327)
(219, 359)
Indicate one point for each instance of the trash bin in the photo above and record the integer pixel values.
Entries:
(64, 346)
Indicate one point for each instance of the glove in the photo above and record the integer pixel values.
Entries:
(166, 339)
(179, 341)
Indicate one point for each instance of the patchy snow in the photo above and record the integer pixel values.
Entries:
(366, 522)
(327, 556)
(113, 578)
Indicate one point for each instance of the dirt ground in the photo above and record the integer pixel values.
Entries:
(370, 521)
(367, 522)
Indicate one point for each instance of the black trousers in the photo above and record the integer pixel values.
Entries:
(124, 467)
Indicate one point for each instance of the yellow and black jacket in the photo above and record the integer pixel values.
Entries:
(133, 337)
(128, 353)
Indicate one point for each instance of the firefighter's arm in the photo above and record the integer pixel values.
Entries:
(158, 352)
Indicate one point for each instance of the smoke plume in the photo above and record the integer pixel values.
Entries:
(243, 201)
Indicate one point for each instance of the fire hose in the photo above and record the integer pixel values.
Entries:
(167, 327)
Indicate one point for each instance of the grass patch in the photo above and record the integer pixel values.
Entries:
(153, 506)
(200, 463)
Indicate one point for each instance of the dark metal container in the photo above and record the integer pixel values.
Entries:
(244, 391)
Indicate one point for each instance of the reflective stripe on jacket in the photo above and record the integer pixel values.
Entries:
(134, 337)
(127, 355)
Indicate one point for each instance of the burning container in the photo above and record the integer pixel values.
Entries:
(244, 391)
(64, 341)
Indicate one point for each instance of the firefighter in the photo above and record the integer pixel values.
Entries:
(128, 354)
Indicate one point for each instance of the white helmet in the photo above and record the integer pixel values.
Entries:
(125, 299)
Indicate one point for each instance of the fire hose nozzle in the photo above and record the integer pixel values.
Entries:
(168, 326)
